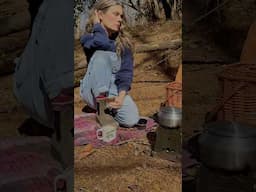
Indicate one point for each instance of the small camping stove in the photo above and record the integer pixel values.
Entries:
(168, 134)
(168, 139)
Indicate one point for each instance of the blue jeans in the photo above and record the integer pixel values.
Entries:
(100, 78)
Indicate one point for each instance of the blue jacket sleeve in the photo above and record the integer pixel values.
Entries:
(98, 39)
(124, 76)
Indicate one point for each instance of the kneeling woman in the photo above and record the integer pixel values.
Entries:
(110, 61)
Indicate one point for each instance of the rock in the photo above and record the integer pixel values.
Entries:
(14, 23)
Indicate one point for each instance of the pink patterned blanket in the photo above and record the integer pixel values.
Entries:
(26, 165)
(86, 126)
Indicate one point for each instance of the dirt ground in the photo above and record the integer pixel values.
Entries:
(126, 168)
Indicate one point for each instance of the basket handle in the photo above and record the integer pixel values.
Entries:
(212, 114)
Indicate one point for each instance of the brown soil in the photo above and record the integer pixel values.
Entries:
(126, 168)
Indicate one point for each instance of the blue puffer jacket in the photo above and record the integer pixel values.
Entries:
(99, 40)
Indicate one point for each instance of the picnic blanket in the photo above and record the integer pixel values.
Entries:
(86, 126)
(26, 165)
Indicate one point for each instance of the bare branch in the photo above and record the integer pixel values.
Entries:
(131, 5)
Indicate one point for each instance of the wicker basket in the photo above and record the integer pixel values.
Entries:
(174, 94)
(238, 97)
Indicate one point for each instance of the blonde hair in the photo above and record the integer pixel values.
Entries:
(123, 37)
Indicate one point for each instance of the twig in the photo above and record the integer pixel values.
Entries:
(131, 4)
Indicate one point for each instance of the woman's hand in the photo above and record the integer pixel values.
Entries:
(118, 102)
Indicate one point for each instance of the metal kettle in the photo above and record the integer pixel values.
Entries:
(170, 117)
(228, 145)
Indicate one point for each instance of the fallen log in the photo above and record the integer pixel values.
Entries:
(174, 44)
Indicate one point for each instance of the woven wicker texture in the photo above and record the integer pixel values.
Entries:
(238, 83)
(174, 94)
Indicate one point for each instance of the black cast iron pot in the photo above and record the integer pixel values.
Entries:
(228, 145)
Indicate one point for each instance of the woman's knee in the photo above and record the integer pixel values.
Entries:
(130, 122)
(127, 120)
(128, 115)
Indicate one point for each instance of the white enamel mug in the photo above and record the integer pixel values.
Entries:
(107, 133)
